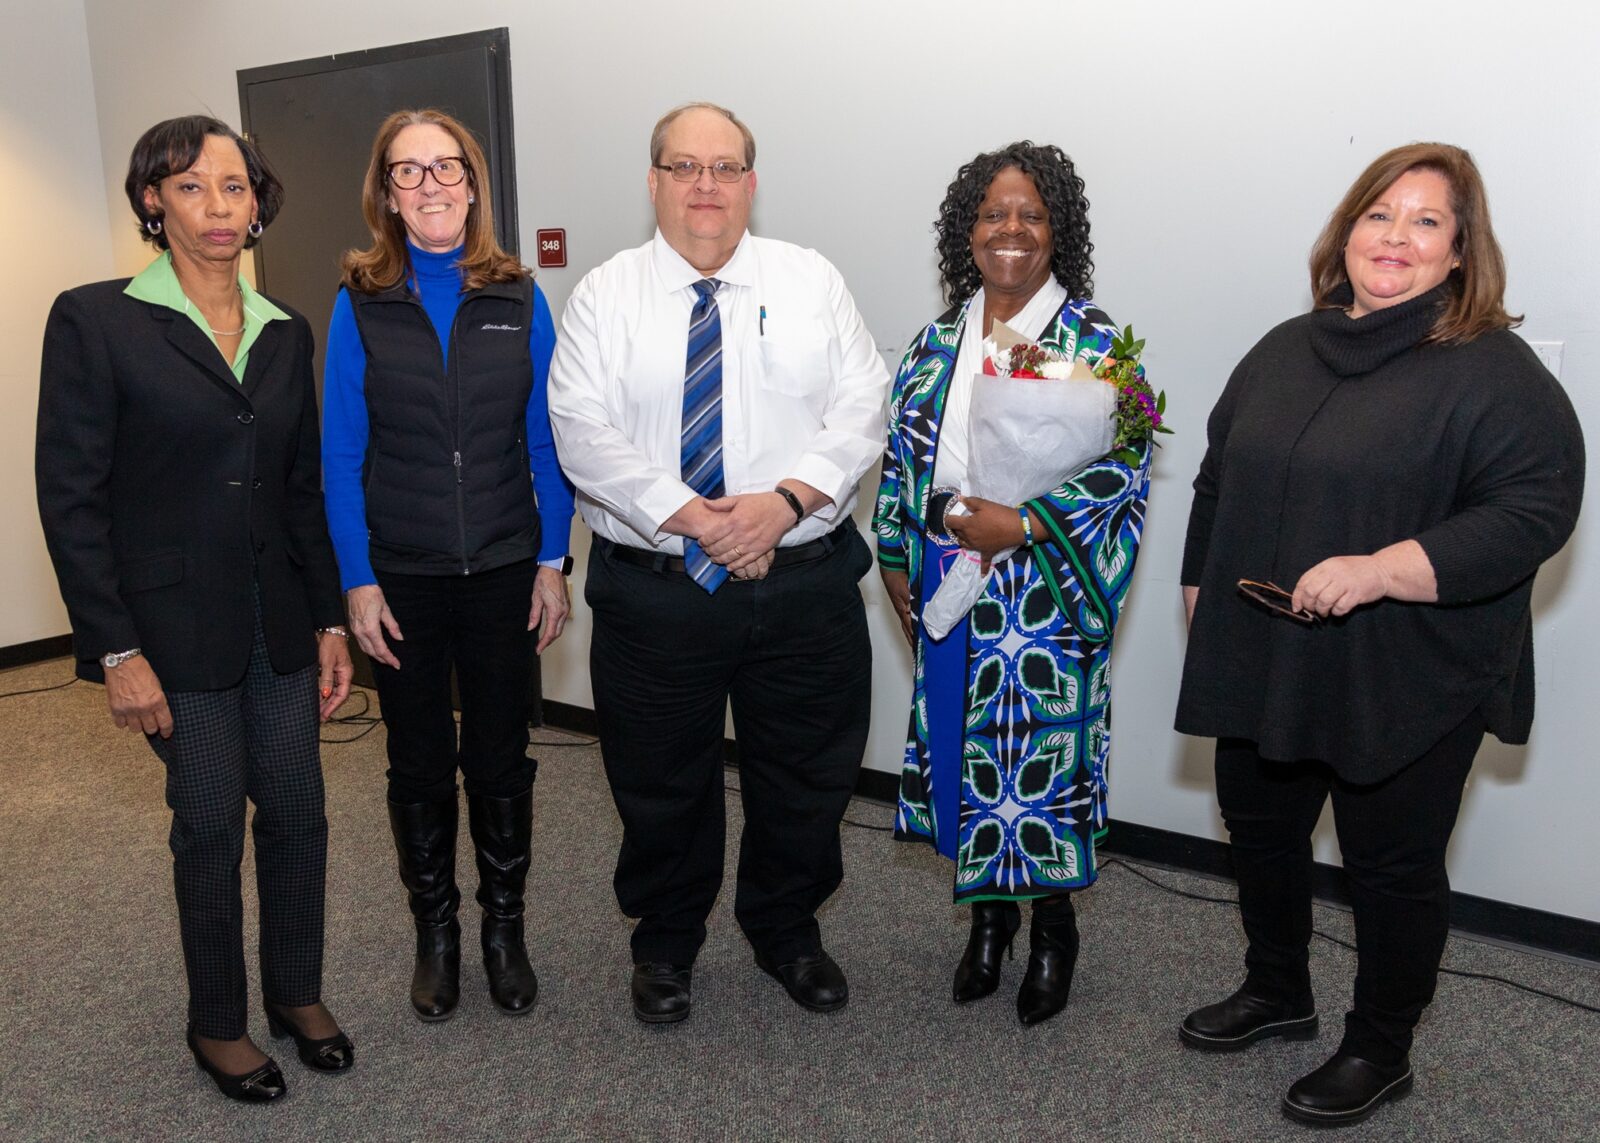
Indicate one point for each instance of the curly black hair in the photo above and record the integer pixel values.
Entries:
(1071, 260)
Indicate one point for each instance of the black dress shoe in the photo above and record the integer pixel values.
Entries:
(661, 992)
(333, 1053)
(994, 929)
(812, 980)
(1244, 1018)
(1346, 1089)
(260, 1086)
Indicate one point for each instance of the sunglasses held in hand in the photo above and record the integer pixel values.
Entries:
(1274, 598)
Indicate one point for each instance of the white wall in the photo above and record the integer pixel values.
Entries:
(1214, 139)
(57, 236)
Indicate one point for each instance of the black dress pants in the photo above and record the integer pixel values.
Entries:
(256, 740)
(792, 654)
(477, 624)
(1392, 836)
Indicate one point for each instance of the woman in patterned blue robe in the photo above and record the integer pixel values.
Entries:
(1005, 763)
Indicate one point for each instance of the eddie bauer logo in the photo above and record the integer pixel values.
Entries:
(507, 328)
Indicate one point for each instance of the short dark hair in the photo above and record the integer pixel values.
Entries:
(1052, 172)
(173, 146)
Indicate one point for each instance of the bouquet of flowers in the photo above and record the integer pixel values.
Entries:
(1036, 419)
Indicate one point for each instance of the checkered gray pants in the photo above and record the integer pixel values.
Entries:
(256, 740)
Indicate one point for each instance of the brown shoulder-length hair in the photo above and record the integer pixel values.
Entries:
(1477, 287)
(382, 265)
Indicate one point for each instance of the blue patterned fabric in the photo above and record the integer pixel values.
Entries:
(1030, 776)
(701, 456)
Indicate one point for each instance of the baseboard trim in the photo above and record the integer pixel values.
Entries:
(36, 651)
(1478, 916)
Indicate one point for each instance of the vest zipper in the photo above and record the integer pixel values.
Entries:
(453, 370)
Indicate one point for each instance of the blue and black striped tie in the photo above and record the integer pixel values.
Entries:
(702, 422)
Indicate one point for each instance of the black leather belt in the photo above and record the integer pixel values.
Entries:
(781, 557)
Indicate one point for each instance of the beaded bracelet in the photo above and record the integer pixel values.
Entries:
(1027, 525)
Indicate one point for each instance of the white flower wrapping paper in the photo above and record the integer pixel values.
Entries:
(1028, 436)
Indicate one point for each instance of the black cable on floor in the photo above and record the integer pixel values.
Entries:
(357, 718)
(1330, 938)
(38, 690)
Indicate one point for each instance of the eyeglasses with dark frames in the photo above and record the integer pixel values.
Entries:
(447, 172)
(688, 171)
(1275, 598)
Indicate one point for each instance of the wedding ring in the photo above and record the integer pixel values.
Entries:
(736, 552)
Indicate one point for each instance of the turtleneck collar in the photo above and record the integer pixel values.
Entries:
(435, 267)
(1353, 346)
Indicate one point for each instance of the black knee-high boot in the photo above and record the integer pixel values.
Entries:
(994, 927)
(502, 832)
(425, 840)
(1052, 953)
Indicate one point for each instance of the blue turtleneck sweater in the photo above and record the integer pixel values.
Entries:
(437, 283)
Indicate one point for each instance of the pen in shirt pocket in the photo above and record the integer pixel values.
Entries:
(763, 322)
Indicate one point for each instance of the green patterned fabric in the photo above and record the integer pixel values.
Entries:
(1032, 770)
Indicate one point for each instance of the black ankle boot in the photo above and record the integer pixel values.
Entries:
(425, 840)
(502, 831)
(1052, 953)
(994, 928)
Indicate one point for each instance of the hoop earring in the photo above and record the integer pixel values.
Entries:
(152, 226)
(255, 228)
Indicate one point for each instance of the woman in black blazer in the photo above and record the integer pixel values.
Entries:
(178, 476)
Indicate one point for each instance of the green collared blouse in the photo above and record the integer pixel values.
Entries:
(158, 284)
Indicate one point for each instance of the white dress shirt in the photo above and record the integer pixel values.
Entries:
(803, 388)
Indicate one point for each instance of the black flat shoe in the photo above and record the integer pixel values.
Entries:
(1244, 1018)
(1345, 1090)
(661, 992)
(331, 1054)
(812, 981)
(1052, 955)
(263, 1085)
(994, 930)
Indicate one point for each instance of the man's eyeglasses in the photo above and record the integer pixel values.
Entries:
(686, 171)
(447, 172)
(1274, 598)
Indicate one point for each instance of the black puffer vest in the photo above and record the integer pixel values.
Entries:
(447, 483)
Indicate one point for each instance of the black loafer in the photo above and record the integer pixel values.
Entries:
(1244, 1018)
(1344, 1090)
(812, 980)
(333, 1053)
(263, 1085)
(661, 992)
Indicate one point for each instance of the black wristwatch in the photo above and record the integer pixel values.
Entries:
(794, 502)
(566, 565)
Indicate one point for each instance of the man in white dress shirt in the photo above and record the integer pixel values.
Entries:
(716, 398)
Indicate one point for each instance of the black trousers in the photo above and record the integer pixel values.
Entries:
(477, 624)
(792, 654)
(1392, 836)
(256, 740)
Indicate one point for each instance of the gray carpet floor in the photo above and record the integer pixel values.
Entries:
(92, 994)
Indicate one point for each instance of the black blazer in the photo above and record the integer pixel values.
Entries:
(170, 493)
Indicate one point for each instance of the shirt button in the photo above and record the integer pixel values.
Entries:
(261, 546)
(256, 483)
(246, 417)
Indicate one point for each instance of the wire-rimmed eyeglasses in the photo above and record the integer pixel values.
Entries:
(688, 171)
(447, 172)
(1275, 598)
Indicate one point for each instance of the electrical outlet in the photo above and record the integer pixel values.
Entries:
(1549, 353)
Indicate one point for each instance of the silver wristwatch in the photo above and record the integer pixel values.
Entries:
(117, 658)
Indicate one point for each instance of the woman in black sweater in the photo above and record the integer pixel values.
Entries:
(1401, 464)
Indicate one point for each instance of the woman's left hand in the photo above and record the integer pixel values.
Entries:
(551, 606)
(1339, 585)
(989, 529)
(334, 672)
